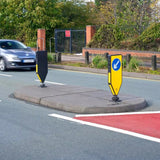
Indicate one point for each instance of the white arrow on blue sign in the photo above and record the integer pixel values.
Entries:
(116, 64)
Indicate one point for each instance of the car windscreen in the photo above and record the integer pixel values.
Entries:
(12, 45)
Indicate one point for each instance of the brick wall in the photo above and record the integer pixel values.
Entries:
(123, 52)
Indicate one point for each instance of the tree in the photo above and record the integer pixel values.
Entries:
(73, 15)
(132, 16)
(3, 4)
(20, 19)
(149, 39)
(105, 14)
(99, 2)
(155, 6)
(107, 36)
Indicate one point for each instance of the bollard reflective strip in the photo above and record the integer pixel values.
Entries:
(109, 82)
(37, 73)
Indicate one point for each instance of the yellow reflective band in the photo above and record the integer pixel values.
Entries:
(37, 73)
(36, 68)
(109, 78)
(39, 77)
(111, 88)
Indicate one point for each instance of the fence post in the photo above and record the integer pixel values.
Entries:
(70, 41)
(154, 62)
(59, 57)
(54, 58)
(106, 56)
(128, 58)
(50, 43)
(55, 42)
(87, 57)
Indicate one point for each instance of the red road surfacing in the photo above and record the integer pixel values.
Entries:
(146, 124)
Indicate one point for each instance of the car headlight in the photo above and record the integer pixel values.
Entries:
(11, 57)
(34, 52)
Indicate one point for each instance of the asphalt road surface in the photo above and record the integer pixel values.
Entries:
(32, 132)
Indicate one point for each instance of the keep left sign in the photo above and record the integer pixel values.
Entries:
(115, 73)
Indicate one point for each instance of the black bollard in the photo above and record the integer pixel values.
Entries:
(87, 57)
(54, 58)
(154, 62)
(41, 66)
(106, 56)
(59, 57)
(128, 58)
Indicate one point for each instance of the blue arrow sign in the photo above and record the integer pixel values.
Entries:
(116, 64)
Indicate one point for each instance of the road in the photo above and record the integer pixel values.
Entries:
(28, 132)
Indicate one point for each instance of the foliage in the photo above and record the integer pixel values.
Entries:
(157, 72)
(131, 16)
(105, 14)
(155, 7)
(20, 19)
(32, 44)
(149, 39)
(124, 63)
(133, 64)
(124, 25)
(96, 60)
(51, 57)
(102, 64)
(108, 36)
(134, 14)
(99, 62)
(72, 14)
(120, 20)
(99, 2)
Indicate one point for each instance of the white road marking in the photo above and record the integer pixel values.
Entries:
(116, 114)
(107, 128)
(0, 100)
(52, 82)
(6, 75)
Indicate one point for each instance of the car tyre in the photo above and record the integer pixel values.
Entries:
(2, 65)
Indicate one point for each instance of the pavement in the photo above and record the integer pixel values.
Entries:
(82, 100)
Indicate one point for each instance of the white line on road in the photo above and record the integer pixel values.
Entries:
(116, 114)
(52, 82)
(107, 128)
(6, 75)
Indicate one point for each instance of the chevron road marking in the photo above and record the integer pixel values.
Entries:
(123, 131)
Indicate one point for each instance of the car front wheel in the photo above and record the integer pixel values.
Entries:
(2, 64)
